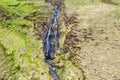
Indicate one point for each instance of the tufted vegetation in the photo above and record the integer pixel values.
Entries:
(84, 24)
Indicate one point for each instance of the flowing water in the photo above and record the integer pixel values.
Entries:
(51, 42)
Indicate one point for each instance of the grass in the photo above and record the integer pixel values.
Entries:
(95, 16)
(116, 1)
(67, 70)
(117, 12)
(24, 52)
(16, 7)
(22, 48)
(23, 56)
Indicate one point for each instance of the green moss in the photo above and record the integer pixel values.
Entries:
(67, 70)
(22, 58)
(23, 53)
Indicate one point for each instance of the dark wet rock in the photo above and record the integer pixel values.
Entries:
(24, 25)
(2, 78)
(4, 14)
(52, 35)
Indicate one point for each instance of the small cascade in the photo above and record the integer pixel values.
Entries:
(51, 40)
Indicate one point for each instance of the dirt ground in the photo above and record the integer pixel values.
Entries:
(95, 46)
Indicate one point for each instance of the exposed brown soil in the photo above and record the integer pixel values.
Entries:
(94, 45)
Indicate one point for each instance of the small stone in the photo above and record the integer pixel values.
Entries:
(23, 49)
(58, 51)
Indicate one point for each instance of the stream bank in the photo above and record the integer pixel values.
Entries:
(23, 43)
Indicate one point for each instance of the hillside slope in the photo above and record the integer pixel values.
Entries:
(21, 54)
(94, 44)
(90, 49)
(22, 58)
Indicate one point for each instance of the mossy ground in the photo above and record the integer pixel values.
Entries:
(22, 59)
(21, 56)
(21, 52)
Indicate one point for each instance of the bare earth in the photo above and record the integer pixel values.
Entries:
(99, 43)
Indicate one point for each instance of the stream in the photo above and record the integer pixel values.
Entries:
(51, 40)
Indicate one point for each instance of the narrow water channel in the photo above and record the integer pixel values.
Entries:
(51, 40)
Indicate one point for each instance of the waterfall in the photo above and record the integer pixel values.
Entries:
(52, 36)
